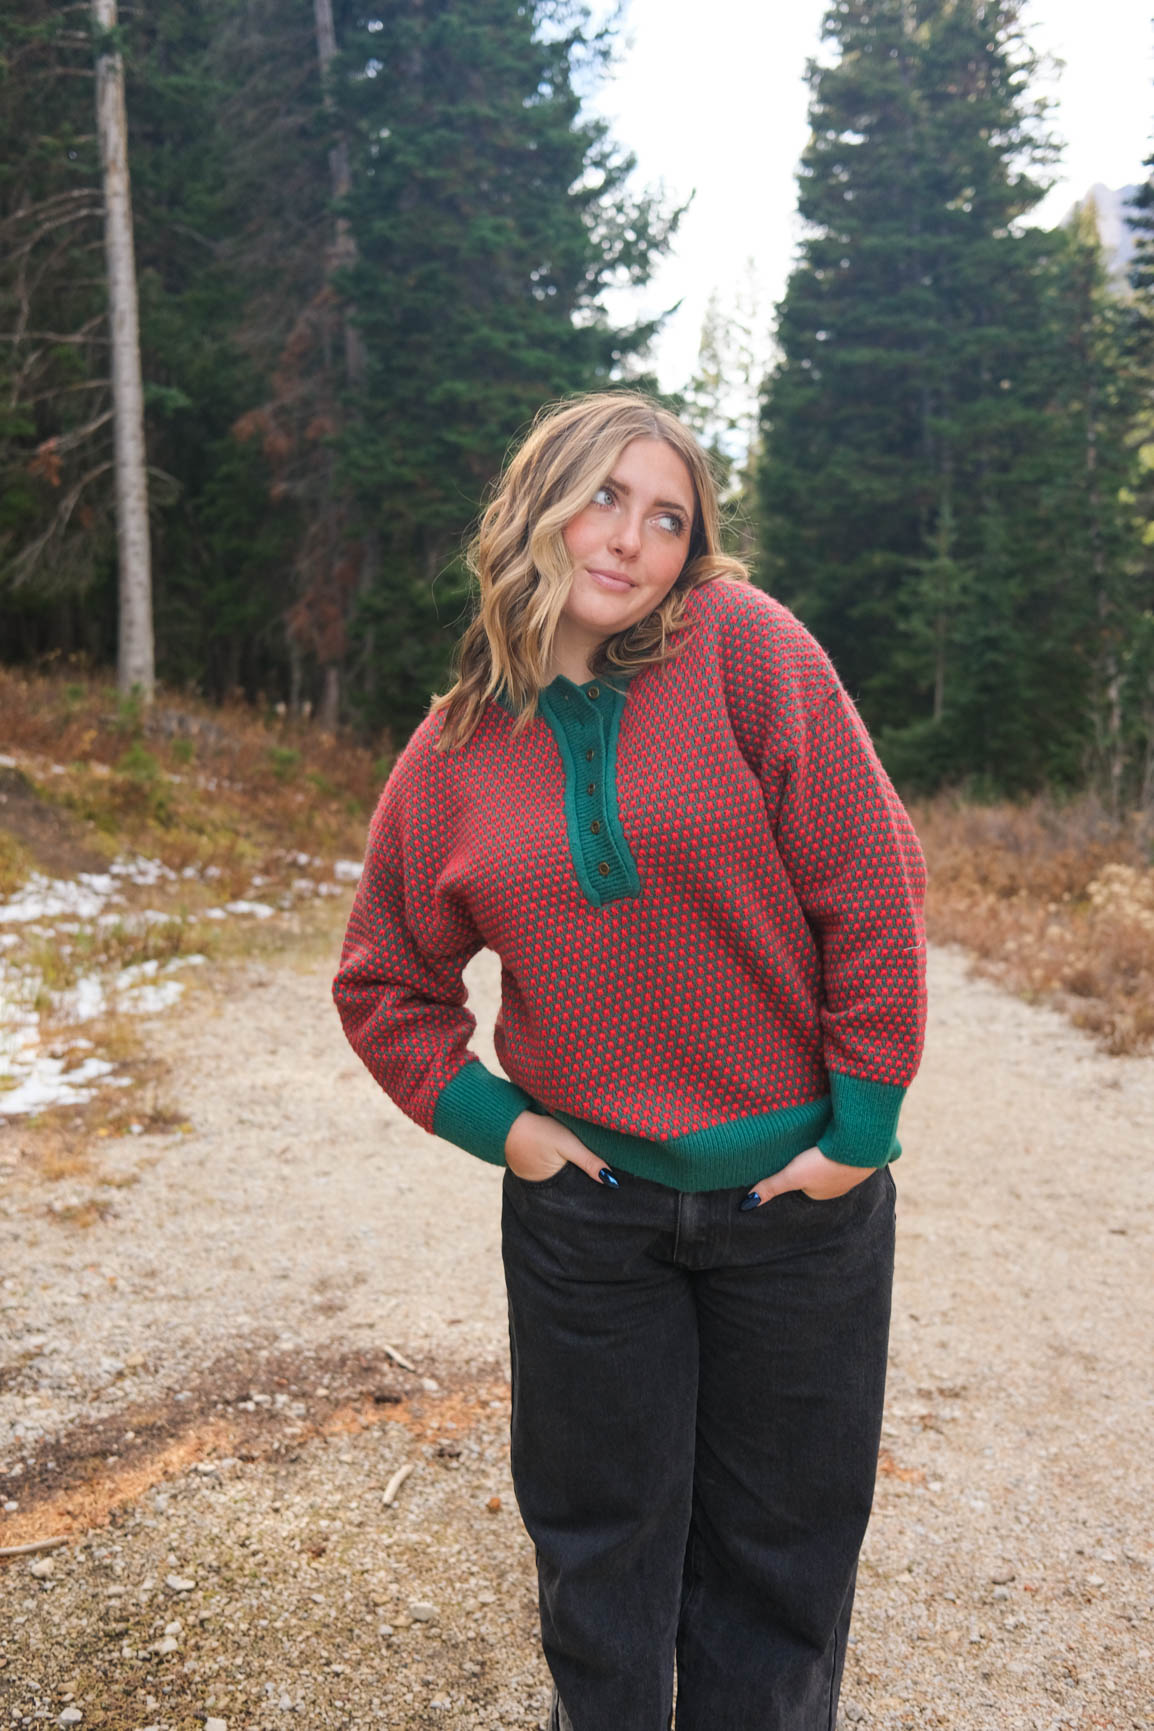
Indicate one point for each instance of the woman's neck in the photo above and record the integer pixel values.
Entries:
(572, 653)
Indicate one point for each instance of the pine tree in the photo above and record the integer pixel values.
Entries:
(915, 470)
(489, 217)
(1139, 361)
(722, 402)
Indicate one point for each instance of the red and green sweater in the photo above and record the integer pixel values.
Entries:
(707, 901)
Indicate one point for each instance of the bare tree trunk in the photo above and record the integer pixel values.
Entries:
(135, 660)
(345, 247)
(1110, 671)
(329, 714)
(344, 252)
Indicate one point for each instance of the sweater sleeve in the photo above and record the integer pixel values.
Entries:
(860, 877)
(853, 860)
(399, 988)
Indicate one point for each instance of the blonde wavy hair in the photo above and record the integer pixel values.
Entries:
(523, 569)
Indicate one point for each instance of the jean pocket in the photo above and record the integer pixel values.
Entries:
(539, 1184)
(847, 1198)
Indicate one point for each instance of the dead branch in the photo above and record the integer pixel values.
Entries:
(395, 1484)
(25, 563)
(34, 1545)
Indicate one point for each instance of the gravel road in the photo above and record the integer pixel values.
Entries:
(219, 1344)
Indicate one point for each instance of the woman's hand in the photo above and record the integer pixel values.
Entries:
(811, 1173)
(537, 1147)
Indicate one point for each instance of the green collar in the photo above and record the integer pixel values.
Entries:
(562, 691)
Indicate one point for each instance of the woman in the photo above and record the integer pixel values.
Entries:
(649, 793)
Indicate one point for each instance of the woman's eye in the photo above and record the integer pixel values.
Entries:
(671, 522)
(603, 496)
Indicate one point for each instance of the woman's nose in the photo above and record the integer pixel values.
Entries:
(626, 538)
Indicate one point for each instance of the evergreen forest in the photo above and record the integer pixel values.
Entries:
(369, 244)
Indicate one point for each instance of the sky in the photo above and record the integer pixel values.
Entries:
(710, 97)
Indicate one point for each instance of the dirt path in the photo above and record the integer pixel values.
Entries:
(200, 1382)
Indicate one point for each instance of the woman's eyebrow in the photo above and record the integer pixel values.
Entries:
(659, 504)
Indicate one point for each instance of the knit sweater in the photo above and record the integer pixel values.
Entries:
(707, 901)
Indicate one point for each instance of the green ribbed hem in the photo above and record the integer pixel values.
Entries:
(475, 1109)
(863, 1129)
(725, 1156)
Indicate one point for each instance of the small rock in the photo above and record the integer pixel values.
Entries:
(430, 1385)
(179, 1583)
(421, 1612)
(1003, 1576)
(169, 1644)
(216, 1725)
(494, 1505)
(43, 1568)
(70, 1716)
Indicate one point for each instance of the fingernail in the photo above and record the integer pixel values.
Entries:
(607, 1177)
(753, 1200)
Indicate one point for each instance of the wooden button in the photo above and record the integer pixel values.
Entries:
(595, 826)
(603, 868)
(593, 693)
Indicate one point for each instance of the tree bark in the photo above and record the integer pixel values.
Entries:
(344, 252)
(136, 652)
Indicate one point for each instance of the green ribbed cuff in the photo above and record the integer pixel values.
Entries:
(475, 1110)
(863, 1128)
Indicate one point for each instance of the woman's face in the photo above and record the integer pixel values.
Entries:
(629, 543)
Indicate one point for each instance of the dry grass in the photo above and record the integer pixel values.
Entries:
(15, 863)
(1055, 901)
(234, 789)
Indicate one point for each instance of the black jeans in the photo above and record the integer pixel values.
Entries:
(697, 1404)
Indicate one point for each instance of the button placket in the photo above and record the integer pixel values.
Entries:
(586, 732)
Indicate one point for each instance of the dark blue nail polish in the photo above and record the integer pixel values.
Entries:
(607, 1177)
(753, 1200)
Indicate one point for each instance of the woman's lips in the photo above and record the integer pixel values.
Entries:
(610, 580)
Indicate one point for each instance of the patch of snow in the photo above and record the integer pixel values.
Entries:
(83, 1001)
(144, 872)
(259, 910)
(347, 871)
(127, 978)
(45, 1083)
(44, 898)
(150, 1000)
